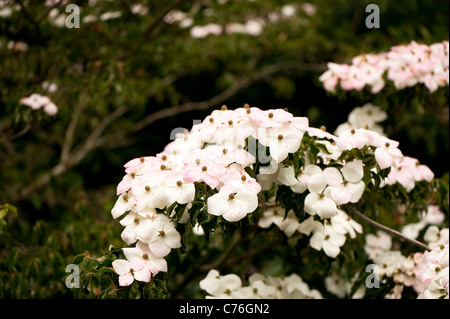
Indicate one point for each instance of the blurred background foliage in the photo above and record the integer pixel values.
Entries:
(124, 83)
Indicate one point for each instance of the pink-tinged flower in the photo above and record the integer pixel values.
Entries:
(203, 169)
(143, 252)
(352, 138)
(231, 203)
(51, 109)
(239, 179)
(404, 65)
(329, 80)
(272, 118)
(129, 271)
(386, 155)
(35, 101)
(136, 164)
(225, 155)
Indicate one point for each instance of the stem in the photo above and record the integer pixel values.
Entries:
(386, 229)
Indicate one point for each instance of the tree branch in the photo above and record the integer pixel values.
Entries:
(221, 97)
(385, 228)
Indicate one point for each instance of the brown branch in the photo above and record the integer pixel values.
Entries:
(386, 229)
(221, 97)
(76, 157)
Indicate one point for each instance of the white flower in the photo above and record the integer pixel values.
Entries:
(143, 252)
(341, 219)
(349, 189)
(412, 230)
(123, 204)
(389, 262)
(435, 237)
(131, 222)
(329, 240)
(318, 201)
(276, 216)
(232, 205)
(280, 140)
(129, 271)
(387, 154)
(179, 190)
(161, 236)
(310, 225)
(377, 244)
(220, 286)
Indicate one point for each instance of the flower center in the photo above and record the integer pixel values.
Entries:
(231, 196)
(147, 188)
(243, 178)
(204, 169)
(145, 256)
(224, 108)
(162, 233)
(179, 183)
(142, 160)
(270, 115)
(280, 137)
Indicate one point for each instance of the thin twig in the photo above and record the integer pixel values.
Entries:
(386, 229)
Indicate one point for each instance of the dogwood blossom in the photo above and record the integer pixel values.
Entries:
(227, 162)
(405, 65)
(232, 203)
(129, 271)
(329, 239)
(259, 287)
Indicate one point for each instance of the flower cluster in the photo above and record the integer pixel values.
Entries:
(366, 116)
(432, 273)
(234, 155)
(405, 65)
(259, 287)
(252, 26)
(36, 101)
(427, 273)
